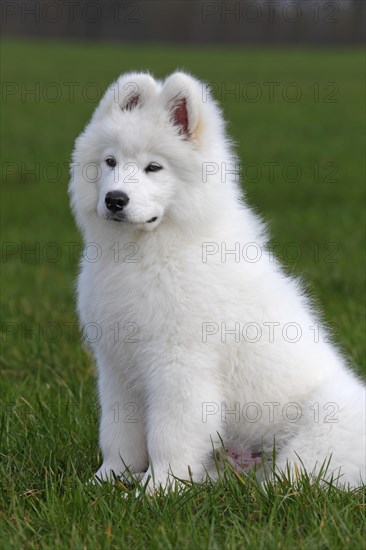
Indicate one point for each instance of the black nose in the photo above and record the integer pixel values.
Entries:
(116, 200)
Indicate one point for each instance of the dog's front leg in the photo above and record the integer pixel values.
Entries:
(122, 432)
(183, 423)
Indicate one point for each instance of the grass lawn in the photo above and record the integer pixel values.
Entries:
(297, 116)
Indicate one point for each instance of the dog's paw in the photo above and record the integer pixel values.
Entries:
(159, 484)
(108, 475)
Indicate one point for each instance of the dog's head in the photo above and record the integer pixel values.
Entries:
(141, 157)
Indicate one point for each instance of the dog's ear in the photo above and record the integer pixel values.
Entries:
(133, 89)
(181, 96)
(128, 92)
(133, 97)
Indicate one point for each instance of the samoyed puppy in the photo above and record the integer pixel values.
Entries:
(204, 346)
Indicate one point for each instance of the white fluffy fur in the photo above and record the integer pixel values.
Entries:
(164, 390)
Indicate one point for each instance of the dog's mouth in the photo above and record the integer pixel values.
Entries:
(118, 219)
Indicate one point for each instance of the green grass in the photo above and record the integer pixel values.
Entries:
(49, 412)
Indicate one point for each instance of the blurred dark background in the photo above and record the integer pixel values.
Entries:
(312, 22)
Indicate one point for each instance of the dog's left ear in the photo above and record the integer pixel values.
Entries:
(181, 96)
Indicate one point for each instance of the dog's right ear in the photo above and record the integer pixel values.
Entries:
(127, 93)
(133, 89)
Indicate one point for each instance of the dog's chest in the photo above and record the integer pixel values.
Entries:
(147, 298)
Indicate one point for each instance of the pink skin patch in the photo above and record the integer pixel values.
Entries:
(242, 461)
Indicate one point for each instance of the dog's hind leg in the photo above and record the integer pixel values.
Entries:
(330, 442)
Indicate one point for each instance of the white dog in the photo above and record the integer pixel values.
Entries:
(203, 344)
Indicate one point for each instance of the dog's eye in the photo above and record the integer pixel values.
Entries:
(153, 167)
(111, 162)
